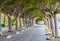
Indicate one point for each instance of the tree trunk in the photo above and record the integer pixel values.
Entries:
(53, 25)
(46, 25)
(9, 23)
(49, 24)
(0, 26)
(23, 22)
(16, 23)
(26, 23)
(20, 23)
(32, 22)
(4, 19)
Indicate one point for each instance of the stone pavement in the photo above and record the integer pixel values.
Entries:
(35, 33)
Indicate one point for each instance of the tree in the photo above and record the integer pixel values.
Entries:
(51, 7)
(17, 7)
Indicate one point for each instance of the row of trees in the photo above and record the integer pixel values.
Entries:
(25, 9)
(29, 9)
(50, 9)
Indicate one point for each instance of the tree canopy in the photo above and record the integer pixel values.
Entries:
(34, 7)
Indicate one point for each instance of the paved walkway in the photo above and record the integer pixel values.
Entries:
(36, 33)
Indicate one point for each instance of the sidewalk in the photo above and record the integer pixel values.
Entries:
(7, 34)
(14, 33)
(31, 34)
